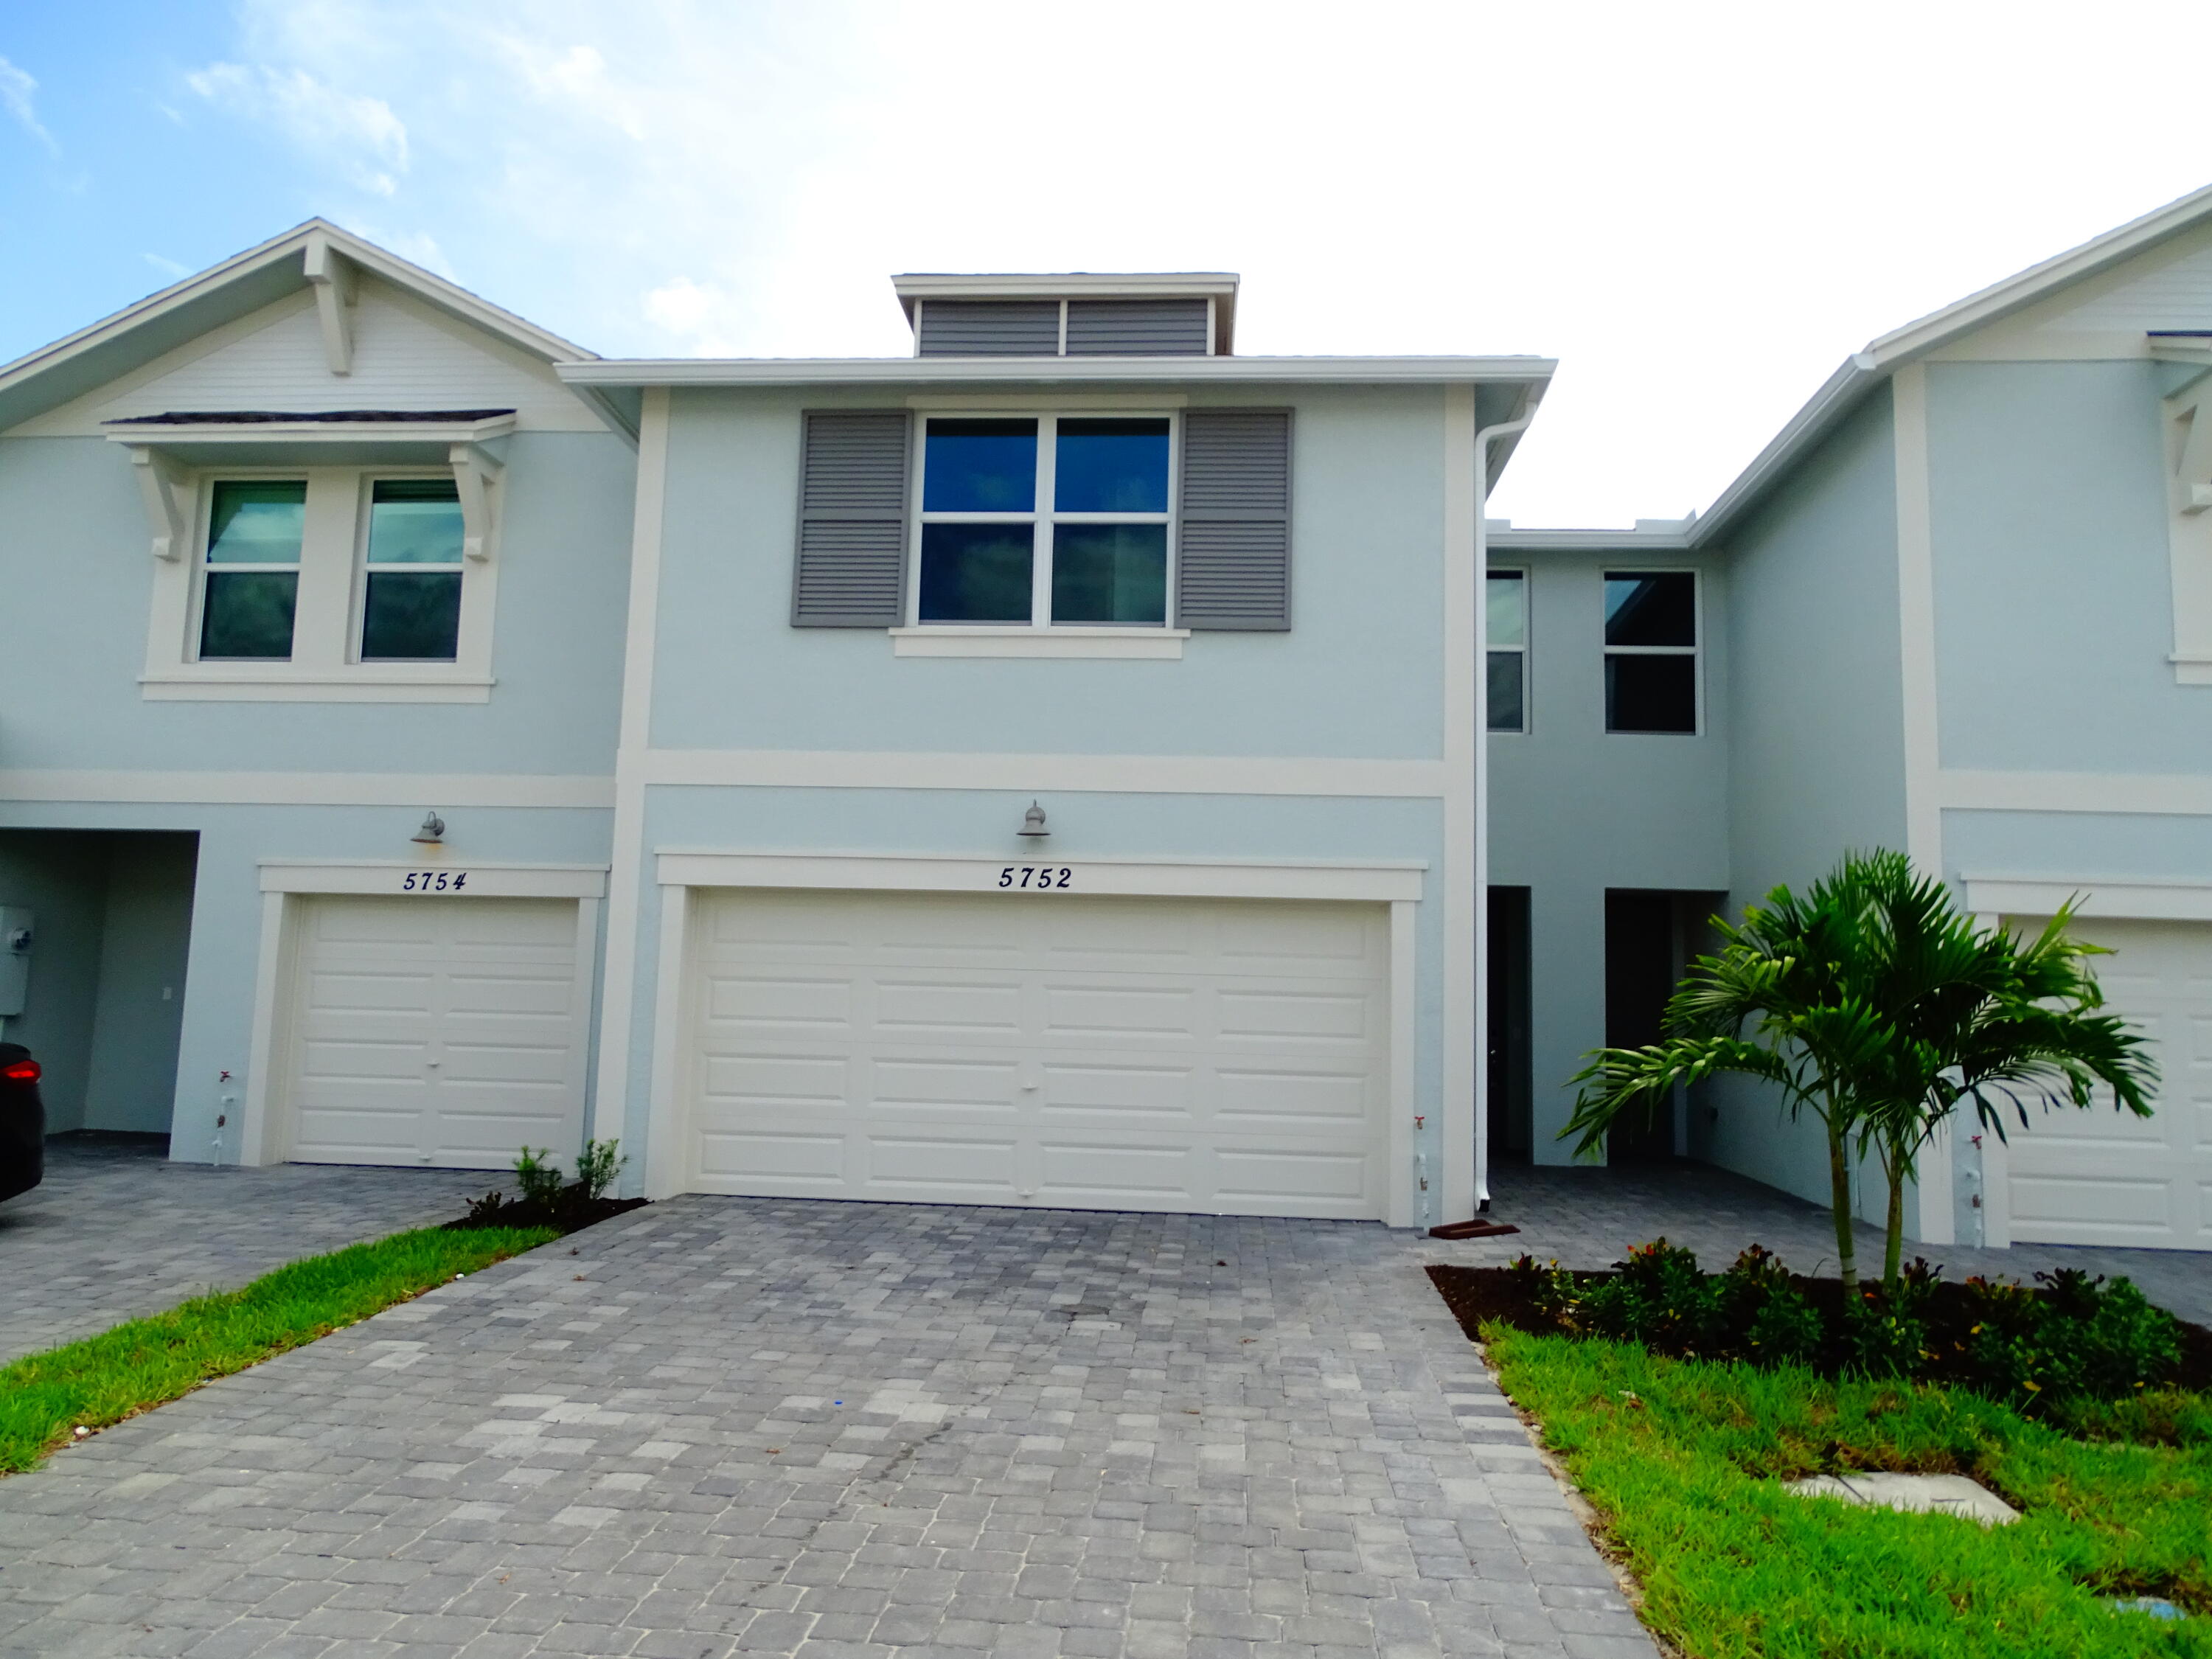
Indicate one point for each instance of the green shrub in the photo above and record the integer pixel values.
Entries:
(539, 1176)
(598, 1166)
(1657, 1296)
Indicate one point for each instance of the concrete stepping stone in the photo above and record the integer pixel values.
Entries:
(1917, 1494)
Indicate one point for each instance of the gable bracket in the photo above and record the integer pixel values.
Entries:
(333, 278)
(476, 473)
(166, 489)
(2192, 471)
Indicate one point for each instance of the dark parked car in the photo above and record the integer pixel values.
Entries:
(22, 1121)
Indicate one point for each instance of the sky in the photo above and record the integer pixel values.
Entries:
(1699, 209)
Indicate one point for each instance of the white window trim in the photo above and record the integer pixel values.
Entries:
(325, 664)
(1521, 573)
(1695, 651)
(917, 638)
(2187, 428)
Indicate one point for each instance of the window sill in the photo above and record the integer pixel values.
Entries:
(1153, 644)
(240, 683)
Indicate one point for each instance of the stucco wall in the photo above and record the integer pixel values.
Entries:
(1575, 810)
(1358, 674)
(1817, 734)
(74, 556)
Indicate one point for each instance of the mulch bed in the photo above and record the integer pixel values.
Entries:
(571, 1213)
(1475, 1295)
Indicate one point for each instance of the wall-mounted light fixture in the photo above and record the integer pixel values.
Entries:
(1033, 823)
(432, 831)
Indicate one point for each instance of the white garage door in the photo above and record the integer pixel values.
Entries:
(2099, 1177)
(437, 1031)
(1210, 1056)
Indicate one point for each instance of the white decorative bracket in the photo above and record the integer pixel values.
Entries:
(166, 489)
(2192, 470)
(476, 474)
(331, 276)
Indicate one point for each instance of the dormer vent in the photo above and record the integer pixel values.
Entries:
(1077, 314)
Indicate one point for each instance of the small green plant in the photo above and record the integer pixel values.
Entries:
(1779, 1325)
(1657, 1296)
(539, 1176)
(600, 1164)
(1551, 1289)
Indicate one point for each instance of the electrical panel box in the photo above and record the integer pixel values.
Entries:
(15, 931)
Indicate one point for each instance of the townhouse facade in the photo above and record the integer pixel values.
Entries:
(1078, 764)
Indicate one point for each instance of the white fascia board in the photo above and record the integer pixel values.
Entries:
(1837, 396)
(446, 296)
(1056, 285)
(2025, 287)
(150, 436)
(1634, 543)
(827, 372)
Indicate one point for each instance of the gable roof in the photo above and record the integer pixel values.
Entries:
(240, 285)
(1864, 370)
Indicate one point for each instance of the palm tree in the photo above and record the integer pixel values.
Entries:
(1876, 1006)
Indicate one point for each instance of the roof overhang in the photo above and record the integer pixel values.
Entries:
(922, 372)
(1220, 286)
(316, 255)
(281, 440)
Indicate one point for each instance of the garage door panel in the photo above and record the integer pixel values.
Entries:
(1072, 1085)
(2102, 1176)
(907, 1083)
(1086, 1173)
(985, 1049)
(441, 1030)
(810, 1166)
(957, 1168)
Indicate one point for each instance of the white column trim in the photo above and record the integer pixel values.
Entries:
(1457, 1184)
(667, 1135)
(1125, 878)
(1405, 1204)
(626, 877)
(256, 1130)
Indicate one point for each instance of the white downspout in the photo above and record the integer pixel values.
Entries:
(1483, 440)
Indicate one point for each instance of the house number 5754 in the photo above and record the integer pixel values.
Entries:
(434, 881)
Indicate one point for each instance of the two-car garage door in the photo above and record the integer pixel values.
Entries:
(1215, 1057)
(2098, 1177)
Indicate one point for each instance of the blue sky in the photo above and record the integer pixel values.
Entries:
(1700, 208)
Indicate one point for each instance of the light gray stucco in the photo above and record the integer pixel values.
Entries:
(1817, 764)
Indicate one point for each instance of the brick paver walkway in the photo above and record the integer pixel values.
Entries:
(116, 1231)
(725, 1425)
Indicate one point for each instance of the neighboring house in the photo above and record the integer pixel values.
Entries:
(1045, 769)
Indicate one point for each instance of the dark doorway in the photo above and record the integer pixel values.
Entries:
(1642, 963)
(1511, 1120)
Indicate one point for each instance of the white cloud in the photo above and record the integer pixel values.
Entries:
(1665, 199)
(169, 268)
(17, 90)
(361, 131)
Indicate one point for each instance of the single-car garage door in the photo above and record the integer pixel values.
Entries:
(434, 1031)
(2098, 1176)
(1215, 1056)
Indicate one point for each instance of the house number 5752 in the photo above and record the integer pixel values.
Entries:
(434, 881)
(1035, 878)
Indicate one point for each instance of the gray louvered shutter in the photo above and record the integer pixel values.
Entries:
(989, 328)
(1136, 328)
(1233, 545)
(851, 566)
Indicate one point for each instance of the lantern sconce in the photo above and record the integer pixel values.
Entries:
(433, 832)
(1033, 823)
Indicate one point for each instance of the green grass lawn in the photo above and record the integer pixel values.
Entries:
(1683, 1460)
(45, 1397)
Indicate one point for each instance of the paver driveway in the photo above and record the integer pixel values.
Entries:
(724, 1425)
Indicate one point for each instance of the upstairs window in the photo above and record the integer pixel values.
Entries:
(1650, 651)
(410, 605)
(251, 589)
(1045, 521)
(1506, 629)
